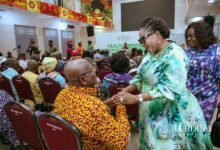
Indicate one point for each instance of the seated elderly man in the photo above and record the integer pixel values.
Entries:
(78, 104)
(49, 65)
(31, 75)
(11, 72)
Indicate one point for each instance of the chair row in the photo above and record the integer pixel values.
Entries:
(42, 131)
(49, 88)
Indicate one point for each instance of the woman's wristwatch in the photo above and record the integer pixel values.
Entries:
(140, 98)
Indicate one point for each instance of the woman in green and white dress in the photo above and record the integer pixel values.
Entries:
(169, 115)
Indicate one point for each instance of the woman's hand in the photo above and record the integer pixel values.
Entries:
(125, 98)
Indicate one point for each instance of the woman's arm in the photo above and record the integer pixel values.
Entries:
(129, 88)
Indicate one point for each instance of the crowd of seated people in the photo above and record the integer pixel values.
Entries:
(53, 66)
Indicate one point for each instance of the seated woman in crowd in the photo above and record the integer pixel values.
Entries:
(49, 65)
(119, 66)
(6, 129)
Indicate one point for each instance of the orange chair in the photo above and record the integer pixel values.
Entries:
(49, 89)
(58, 133)
(5, 85)
(132, 110)
(24, 123)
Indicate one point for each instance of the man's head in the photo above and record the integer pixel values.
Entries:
(12, 63)
(50, 43)
(80, 72)
(32, 66)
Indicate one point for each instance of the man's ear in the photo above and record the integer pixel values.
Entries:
(82, 80)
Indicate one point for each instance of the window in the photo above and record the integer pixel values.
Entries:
(50, 34)
(23, 34)
(66, 36)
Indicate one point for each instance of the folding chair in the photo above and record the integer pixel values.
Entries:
(24, 123)
(5, 85)
(23, 88)
(58, 133)
(132, 110)
(49, 89)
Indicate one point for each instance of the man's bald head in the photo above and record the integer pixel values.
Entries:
(12, 63)
(75, 68)
(32, 66)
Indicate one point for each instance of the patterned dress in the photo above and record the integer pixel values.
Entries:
(203, 75)
(115, 78)
(173, 118)
(99, 130)
(6, 129)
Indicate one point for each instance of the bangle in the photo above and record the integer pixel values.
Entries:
(140, 98)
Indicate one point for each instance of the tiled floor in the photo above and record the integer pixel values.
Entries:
(133, 139)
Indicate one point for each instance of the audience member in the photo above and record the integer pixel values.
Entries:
(80, 49)
(33, 48)
(22, 61)
(11, 72)
(6, 129)
(51, 49)
(2, 59)
(204, 66)
(60, 62)
(9, 55)
(119, 66)
(69, 51)
(78, 104)
(31, 76)
(90, 46)
(49, 65)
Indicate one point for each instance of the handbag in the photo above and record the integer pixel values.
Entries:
(215, 133)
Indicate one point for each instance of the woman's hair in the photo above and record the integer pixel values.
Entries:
(203, 33)
(153, 24)
(119, 63)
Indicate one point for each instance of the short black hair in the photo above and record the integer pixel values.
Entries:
(203, 33)
(119, 62)
(156, 24)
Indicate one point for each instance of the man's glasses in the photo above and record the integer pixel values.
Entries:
(90, 71)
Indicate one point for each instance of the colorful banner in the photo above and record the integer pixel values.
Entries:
(98, 9)
(33, 5)
(21, 4)
(49, 9)
(96, 12)
(63, 13)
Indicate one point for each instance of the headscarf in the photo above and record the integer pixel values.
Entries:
(49, 64)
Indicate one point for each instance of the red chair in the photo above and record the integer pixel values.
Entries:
(132, 110)
(24, 123)
(49, 89)
(23, 88)
(58, 133)
(103, 73)
(5, 85)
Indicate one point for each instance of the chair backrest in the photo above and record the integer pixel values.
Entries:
(49, 89)
(5, 85)
(132, 110)
(58, 133)
(24, 123)
(23, 88)
(103, 73)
